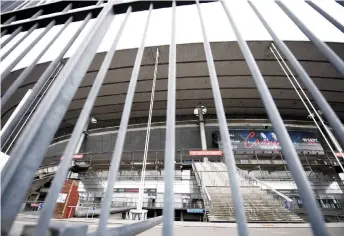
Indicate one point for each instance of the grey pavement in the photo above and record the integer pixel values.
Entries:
(194, 228)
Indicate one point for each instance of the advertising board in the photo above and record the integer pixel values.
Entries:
(263, 140)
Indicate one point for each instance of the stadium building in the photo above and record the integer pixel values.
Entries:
(195, 109)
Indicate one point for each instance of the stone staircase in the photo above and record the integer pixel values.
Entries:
(260, 206)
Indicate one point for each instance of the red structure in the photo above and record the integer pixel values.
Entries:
(68, 199)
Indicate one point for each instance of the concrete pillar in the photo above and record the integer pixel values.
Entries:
(181, 216)
(201, 128)
(200, 111)
(155, 213)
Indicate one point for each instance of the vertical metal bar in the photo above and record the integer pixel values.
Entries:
(4, 5)
(16, 5)
(288, 148)
(9, 7)
(322, 46)
(326, 15)
(41, 81)
(4, 32)
(21, 5)
(60, 175)
(306, 106)
(301, 98)
(9, 20)
(32, 144)
(135, 228)
(27, 117)
(227, 147)
(307, 81)
(8, 122)
(9, 68)
(67, 8)
(26, 4)
(32, 4)
(15, 33)
(116, 157)
(4, 55)
(37, 14)
(17, 82)
(170, 141)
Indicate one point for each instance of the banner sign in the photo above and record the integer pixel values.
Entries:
(76, 156)
(194, 210)
(134, 190)
(263, 140)
(340, 154)
(205, 153)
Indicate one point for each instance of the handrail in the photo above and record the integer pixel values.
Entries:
(287, 200)
(207, 193)
(264, 184)
(204, 190)
(219, 174)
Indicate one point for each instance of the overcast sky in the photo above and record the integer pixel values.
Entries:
(188, 27)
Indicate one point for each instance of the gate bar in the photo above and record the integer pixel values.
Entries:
(326, 15)
(9, 21)
(3, 33)
(117, 154)
(288, 148)
(167, 228)
(239, 208)
(32, 144)
(135, 228)
(273, 49)
(322, 46)
(15, 33)
(4, 55)
(23, 76)
(7, 71)
(61, 174)
(42, 80)
(38, 13)
(330, 115)
(9, 68)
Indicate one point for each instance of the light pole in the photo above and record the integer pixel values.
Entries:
(83, 135)
(81, 140)
(200, 111)
(140, 213)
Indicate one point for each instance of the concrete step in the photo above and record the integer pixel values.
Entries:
(259, 207)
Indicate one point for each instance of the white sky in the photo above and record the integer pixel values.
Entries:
(188, 27)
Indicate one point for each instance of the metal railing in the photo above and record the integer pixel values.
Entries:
(203, 189)
(220, 174)
(250, 181)
(283, 199)
(29, 148)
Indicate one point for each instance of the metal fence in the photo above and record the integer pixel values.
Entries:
(28, 150)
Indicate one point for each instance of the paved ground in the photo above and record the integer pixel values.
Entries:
(194, 228)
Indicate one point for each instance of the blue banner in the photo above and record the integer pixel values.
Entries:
(264, 140)
(194, 210)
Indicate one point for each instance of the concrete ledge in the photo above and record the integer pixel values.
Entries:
(188, 223)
